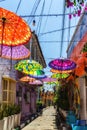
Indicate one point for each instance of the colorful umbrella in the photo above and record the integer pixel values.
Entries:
(49, 79)
(26, 66)
(13, 29)
(60, 71)
(52, 83)
(60, 76)
(38, 74)
(14, 53)
(27, 79)
(62, 64)
(36, 83)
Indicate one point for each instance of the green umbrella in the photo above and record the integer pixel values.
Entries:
(60, 75)
(26, 66)
(39, 74)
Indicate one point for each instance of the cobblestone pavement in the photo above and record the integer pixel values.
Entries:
(44, 122)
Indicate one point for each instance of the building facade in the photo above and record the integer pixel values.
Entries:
(75, 47)
(11, 89)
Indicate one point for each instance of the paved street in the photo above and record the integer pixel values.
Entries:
(44, 122)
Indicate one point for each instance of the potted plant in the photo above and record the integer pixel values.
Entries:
(17, 112)
(39, 105)
(1, 118)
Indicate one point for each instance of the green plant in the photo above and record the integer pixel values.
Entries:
(8, 110)
(16, 109)
(62, 98)
(1, 112)
(85, 48)
(39, 104)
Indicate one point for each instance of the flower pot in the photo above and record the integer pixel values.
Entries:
(19, 119)
(15, 120)
(1, 124)
(6, 123)
(12, 121)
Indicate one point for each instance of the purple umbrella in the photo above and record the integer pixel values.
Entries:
(14, 52)
(62, 64)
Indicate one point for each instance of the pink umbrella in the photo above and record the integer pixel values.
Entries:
(36, 83)
(14, 52)
(49, 79)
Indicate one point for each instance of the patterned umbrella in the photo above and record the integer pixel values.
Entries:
(27, 79)
(52, 83)
(62, 64)
(49, 79)
(28, 66)
(36, 83)
(60, 76)
(60, 71)
(13, 29)
(38, 74)
(14, 53)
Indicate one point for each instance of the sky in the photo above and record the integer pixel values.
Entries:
(49, 28)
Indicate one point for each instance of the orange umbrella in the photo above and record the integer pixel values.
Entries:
(60, 71)
(27, 79)
(13, 29)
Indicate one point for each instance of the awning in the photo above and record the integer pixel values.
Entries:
(8, 78)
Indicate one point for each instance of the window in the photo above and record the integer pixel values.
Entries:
(8, 91)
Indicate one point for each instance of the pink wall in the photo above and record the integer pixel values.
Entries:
(26, 107)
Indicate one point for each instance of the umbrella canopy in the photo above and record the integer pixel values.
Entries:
(60, 71)
(49, 79)
(60, 76)
(36, 83)
(13, 29)
(27, 79)
(28, 66)
(15, 52)
(52, 83)
(62, 64)
(38, 74)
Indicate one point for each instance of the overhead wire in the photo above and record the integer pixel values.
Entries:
(47, 16)
(41, 34)
(63, 24)
(58, 41)
(18, 6)
(2, 0)
(40, 19)
(34, 9)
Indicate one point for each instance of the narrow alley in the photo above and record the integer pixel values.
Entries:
(44, 122)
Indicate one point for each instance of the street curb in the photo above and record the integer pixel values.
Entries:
(28, 121)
